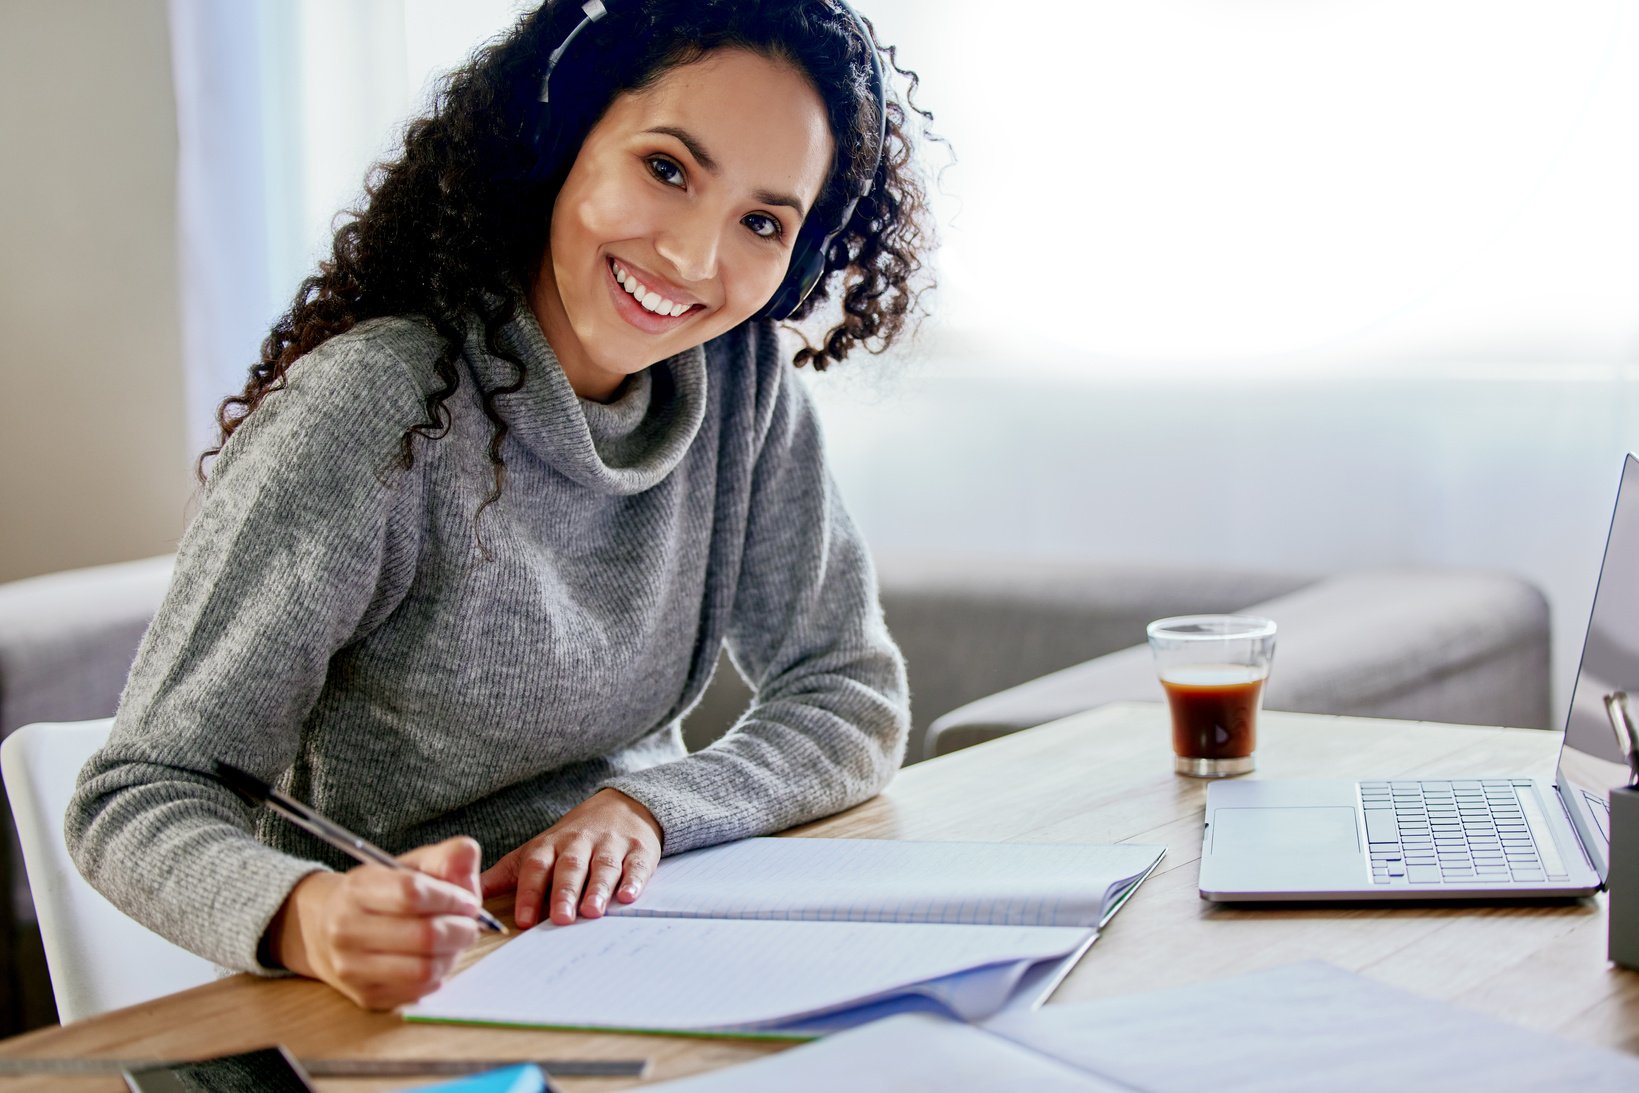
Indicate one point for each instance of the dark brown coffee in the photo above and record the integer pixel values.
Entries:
(1214, 710)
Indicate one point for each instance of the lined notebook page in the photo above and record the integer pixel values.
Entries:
(690, 974)
(876, 880)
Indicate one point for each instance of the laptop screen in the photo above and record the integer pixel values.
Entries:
(1590, 762)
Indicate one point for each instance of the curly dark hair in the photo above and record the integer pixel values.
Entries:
(456, 224)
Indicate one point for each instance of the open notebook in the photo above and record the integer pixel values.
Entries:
(794, 938)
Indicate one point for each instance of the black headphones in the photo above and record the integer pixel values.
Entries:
(814, 240)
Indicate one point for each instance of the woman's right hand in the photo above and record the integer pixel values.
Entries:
(382, 936)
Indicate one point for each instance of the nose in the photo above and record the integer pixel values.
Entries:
(690, 245)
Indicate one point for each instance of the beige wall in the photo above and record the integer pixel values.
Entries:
(93, 463)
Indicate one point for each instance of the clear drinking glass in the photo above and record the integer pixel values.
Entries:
(1213, 668)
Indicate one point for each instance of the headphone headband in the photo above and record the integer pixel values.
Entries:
(592, 10)
(807, 265)
(814, 240)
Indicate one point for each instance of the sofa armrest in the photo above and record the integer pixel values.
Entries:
(1452, 645)
(67, 640)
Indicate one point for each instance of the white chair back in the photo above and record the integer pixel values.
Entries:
(98, 957)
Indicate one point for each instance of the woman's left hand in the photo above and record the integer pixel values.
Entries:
(607, 844)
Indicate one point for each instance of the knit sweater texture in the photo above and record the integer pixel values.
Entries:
(339, 627)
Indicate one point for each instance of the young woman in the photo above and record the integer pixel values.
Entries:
(521, 459)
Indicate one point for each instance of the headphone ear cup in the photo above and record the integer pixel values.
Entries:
(807, 264)
(801, 275)
(541, 143)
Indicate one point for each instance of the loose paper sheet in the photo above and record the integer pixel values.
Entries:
(1302, 1027)
(1305, 1027)
(911, 1054)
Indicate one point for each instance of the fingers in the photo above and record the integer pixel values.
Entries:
(568, 876)
(575, 881)
(502, 876)
(380, 981)
(390, 936)
(455, 860)
(382, 891)
(639, 868)
(406, 935)
(536, 861)
(568, 879)
(630, 873)
(605, 847)
(607, 866)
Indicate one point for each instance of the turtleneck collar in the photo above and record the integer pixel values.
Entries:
(620, 447)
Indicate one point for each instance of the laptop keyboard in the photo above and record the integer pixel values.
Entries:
(1458, 832)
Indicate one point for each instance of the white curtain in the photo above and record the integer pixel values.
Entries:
(282, 107)
(229, 179)
(1306, 286)
(1301, 286)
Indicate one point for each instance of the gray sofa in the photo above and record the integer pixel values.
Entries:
(993, 645)
(1464, 646)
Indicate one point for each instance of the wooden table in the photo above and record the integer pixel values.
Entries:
(1099, 777)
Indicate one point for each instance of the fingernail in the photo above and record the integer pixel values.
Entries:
(525, 917)
(598, 901)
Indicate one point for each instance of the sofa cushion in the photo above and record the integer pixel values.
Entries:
(1457, 645)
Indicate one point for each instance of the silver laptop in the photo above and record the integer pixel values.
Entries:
(1403, 838)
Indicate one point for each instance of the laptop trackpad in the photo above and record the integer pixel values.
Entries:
(1274, 851)
(1323, 831)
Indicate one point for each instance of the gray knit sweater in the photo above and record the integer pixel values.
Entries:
(334, 627)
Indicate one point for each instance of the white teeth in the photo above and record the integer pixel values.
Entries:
(647, 297)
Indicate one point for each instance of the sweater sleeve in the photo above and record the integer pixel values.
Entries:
(831, 713)
(290, 555)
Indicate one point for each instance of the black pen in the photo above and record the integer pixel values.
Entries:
(257, 792)
(1627, 737)
(1633, 738)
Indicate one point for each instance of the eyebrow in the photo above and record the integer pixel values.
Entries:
(704, 158)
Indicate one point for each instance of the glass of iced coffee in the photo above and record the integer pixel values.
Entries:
(1213, 668)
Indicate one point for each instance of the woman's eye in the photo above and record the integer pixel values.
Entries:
(763, 225)
(665, 170)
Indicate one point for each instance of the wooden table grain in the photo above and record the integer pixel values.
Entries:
(1100, 777)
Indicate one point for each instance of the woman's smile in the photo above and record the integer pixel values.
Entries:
(649, 302)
